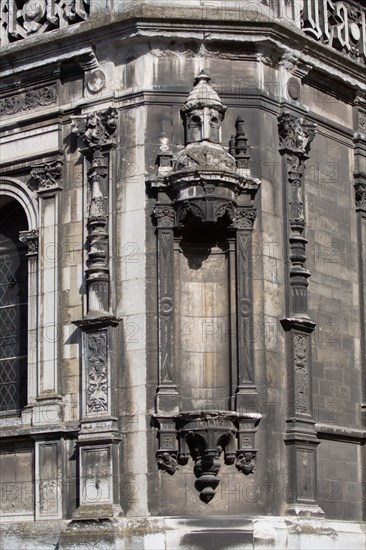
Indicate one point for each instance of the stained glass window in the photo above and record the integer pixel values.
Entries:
(13, 308)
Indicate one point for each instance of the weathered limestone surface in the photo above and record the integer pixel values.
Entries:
(167, 336)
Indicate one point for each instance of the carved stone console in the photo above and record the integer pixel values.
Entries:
(295, 137)
(204, 214)
(204, 436)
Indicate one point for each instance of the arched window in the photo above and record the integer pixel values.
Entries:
(13, 307)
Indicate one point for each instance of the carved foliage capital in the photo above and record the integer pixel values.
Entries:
(360, 196)
(244, 217)
(295, 134)
(96, 128)
(46, 176)
(164, 215)
(30, 238)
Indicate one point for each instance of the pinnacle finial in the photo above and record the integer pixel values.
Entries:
(203, 75)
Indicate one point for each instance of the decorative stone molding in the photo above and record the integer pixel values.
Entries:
(30, 238)
(28, 100)
(46, 176)
(23, 19)
(204, 436)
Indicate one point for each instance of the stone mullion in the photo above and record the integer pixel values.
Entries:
(167, 389)
(233, 321)
(46, 181)
(30, 238)
(244, 317)
(301, 438)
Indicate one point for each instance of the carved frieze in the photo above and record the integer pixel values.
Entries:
(46, 176)
(96, 373)
(21, 19)
(28, 100)
(30, 238)
(340, 25)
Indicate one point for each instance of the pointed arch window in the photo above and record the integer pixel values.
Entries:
(13, 307)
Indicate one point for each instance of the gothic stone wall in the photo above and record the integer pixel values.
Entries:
(150, 85)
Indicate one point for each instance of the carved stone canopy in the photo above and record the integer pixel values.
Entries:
(203, 112)
(205, 179)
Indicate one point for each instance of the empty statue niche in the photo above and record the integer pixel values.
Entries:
(202, 319)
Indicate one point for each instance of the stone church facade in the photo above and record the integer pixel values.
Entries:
(183, 274)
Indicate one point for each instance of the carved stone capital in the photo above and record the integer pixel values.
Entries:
(295, 134)
(164, 215)
(360, 195)
(30, 238)
(244, 217)
(46, 176)
(96, 128)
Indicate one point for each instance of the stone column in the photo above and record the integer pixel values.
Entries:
(167, 399)
(301, 438)
(98, 440)
(246, 393)
(30, 238)
(47, 183)
(360, 201)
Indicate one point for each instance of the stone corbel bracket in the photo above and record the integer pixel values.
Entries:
(204, 436)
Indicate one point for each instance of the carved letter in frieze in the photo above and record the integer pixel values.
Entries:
(96, 373)
(338, 24)
(25, 18)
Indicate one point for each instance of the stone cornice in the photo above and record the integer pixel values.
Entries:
(164, 22)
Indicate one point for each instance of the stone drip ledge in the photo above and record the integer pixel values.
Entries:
(186, 533)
